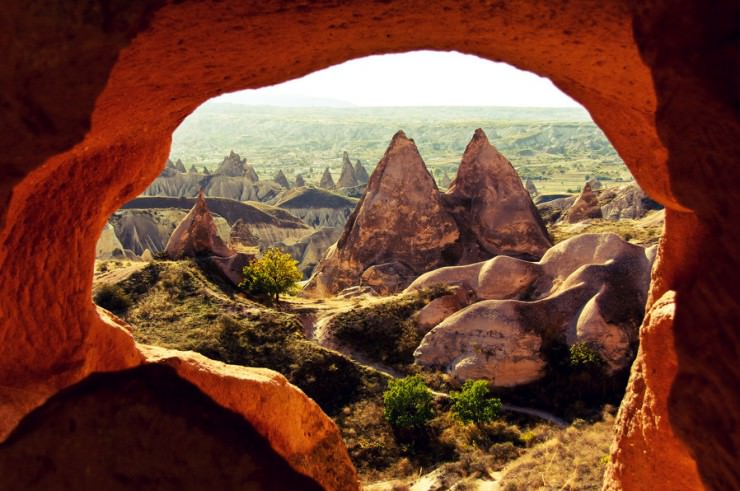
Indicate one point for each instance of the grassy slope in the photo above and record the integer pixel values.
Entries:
(178, 305)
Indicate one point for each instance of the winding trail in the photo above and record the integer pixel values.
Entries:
(312, 317)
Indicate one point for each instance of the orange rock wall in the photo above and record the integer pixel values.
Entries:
(92, 93)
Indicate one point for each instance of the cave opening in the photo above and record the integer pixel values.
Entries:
(71, 130)
(270, 190)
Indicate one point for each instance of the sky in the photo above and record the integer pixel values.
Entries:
(419, 78)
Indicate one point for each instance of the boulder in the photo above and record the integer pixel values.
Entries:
(588, 289)
(441, 308)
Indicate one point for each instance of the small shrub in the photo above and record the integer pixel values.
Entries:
(113, 298)
(408, 403)
(274, 273)
(472, 404)
(583, 355)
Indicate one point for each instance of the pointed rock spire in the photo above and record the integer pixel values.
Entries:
(196, 235)
(299, 181)
(193, 169)
(206, 171)
(361, 173)
(180, 166)
(531, 188)
(327, 181)
(347, 177)
(251, 173)
(400, 224)
(491, 205)
(281, 179)
(586, 206)
(232, 165)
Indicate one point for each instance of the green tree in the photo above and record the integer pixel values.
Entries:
(408, 403)
(584, 355)
(274, 273)
(473, 404)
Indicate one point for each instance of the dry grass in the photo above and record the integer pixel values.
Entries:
(573, 459)
(644, 232)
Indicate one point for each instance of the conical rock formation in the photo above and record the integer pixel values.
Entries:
(196, 235)
(361, 173)
(493, 210)
(400, 219)
(180, 166)
(347, 178)
(327, 182)
(193, 169)
(586, 206)
(281, 179)
(531, 188)
(299, 181)
(232, 165)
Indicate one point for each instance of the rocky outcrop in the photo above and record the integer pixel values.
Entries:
(585, 207)
(347, 178)
(193, 169)
(403, 226)
(196, 235)
(309, 250)
(589, 289)
(317, 208)
(142, 229)
(360, 173)
(281, 180)
(239, 189)
(241, 236)
(531, 188)
(270, 224)
(299, 181)
(179, 166)
(613, 203)
(445, 181)
(400, 219)
(595, 184)
(188, 440)
(205, 171)
(232, 166)
(327, 181)
(493, 211)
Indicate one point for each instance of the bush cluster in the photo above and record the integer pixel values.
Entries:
(113, 298)
(473, 404)
(274, 273)
(408, 403)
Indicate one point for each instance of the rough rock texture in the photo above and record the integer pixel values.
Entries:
(625, 202)
(327, 181)
(400, 219)
(347, 178)
(196, 235)
(281, 179)
(641, 69)
(405, 224)
(584, 207)
(590, 288)
(360, 173)
(143, 428)
(494, 212)
(441, 308)
(232, 165)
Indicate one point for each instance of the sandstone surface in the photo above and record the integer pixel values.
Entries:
(347, 178)
(327, 181)
(196, 235)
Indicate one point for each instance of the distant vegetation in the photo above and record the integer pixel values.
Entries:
(558, 148)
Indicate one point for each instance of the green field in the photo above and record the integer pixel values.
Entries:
(558, 147)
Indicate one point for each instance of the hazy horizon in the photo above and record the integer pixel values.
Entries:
(413, 79)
